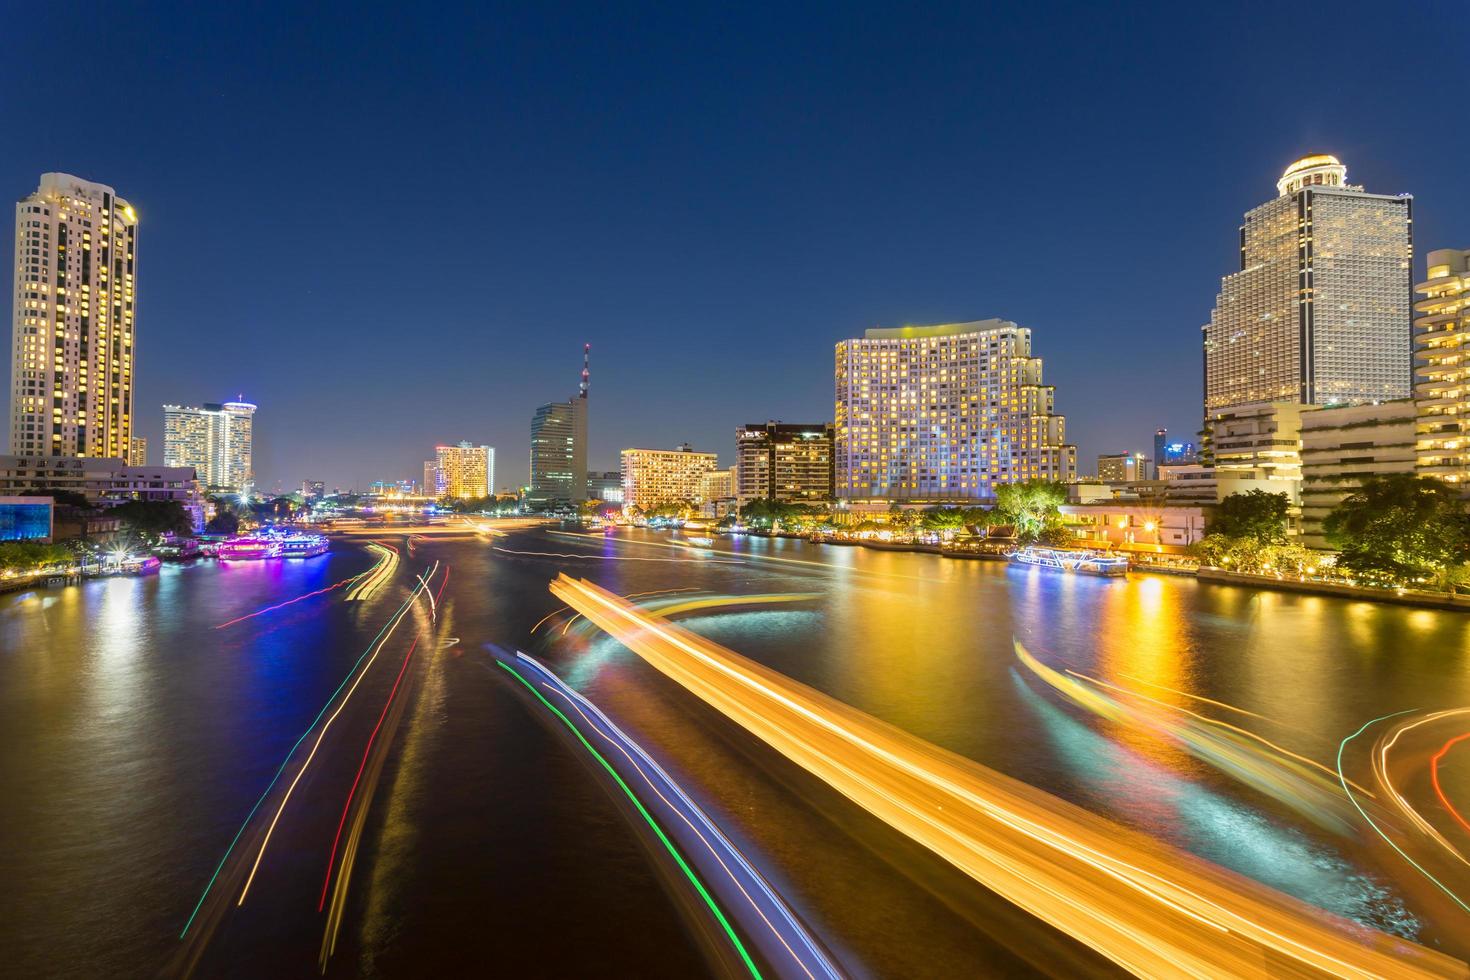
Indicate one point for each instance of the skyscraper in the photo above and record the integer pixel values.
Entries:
(944, 413)
(1442, 335)
(1161, 448)
(657, 477)
(786, 462)
(71, 368)
(465, 471)
(217, 440)
(559, 447)
(1319, 311)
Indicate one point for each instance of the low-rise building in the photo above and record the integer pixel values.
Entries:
(27, 518)
(1344, 447)
(103, 481)
(1152, 528)
(657, 477)
(1121, 467)
(606, 486)
(1260, 443)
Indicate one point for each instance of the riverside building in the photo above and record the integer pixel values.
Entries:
(1442, 343)
(1342, 448)
(465, 471)
(654, 477)
(217, 440)
(71, 367)
(786, 462)
(1319, 311)
(559, 447)
(944, 413)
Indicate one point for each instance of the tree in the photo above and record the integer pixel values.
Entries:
(1033, 507)
(223, 522)
(1402, 528)
(62, 498)
(1258, 516)
(26, 556)
(152, 519)
(943, 519)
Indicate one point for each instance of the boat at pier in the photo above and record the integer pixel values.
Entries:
(1075, 562)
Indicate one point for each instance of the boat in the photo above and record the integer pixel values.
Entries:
(700, 541)
(1079, 562)
(303, 546)
(248, 549)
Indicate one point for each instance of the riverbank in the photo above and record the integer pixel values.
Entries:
(1398, 597)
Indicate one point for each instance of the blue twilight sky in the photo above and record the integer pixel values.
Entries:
(393, 227)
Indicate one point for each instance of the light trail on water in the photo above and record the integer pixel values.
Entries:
(290, 602)
(1148, 907)
(1434, 778)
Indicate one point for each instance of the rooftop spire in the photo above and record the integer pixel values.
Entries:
(586, 365)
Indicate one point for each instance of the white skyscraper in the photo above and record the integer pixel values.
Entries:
(217, 440)
(1319, 312)
(71, 368)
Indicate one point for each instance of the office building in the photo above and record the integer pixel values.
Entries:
(215, 439)
(1319, 311)
(433, 479)
(464, 471)
(1442, 343)
(785, 462)
(606, 486)
(657, 477)
(559, 447)
(71, 369)
(138, 451)
(944, 413)
(1121, 468)
(1344, 447)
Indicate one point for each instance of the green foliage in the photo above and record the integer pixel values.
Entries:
(223, 522)
(1033, 508)
(62, 498)
(943, 519)
(28, 556)
(1257, 516)
(1241, 554)
(152, 519)
(1401, 528)
(774, 515)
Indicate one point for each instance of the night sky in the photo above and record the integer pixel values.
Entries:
(396, 228)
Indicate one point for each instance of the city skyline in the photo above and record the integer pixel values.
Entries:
(691, 278)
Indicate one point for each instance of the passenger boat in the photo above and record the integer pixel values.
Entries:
(303, 545)
(1080, 562)
(248, 549)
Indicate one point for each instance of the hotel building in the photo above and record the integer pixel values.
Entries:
(138, 451)
(1344, 447)
(1442, 341)
(789, 463)
(465, 471)
(653, 477)
(1319, 311)
(104, 482)
(71, 368)
(1121, 468)
(217, 440)
(559, 447)
(943, 413)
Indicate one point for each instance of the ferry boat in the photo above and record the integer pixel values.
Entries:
(247, 549)
(303, 545)
(1081, 562)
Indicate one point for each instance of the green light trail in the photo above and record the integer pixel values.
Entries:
(668, 844)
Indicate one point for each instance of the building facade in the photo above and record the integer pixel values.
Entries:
(217, 440)
(27, 519)
(1344, 447)
(1319, 311)
(559, 447)
(1259, 447)
(1145, 527)
(786, 462)
(1442, 343)
(944, 413)
(1121, 468)
(464, 471)
(655, 477)
(606, 486)
(138, 451)
(71, 369)
(103, 481)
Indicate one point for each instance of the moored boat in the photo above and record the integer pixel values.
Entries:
(1077, 562)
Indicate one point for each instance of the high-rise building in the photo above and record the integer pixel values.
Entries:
(791, 463)
(654, 477)
(559, 447)
(1161, 446)
(215, 439)
(71, 368)
(433, 479)
(466, 472)
(1442, 339)
(313, 489)
(1319, 311)
(138, 451)
(944, 413)
(606, 486)
(1121, 467)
